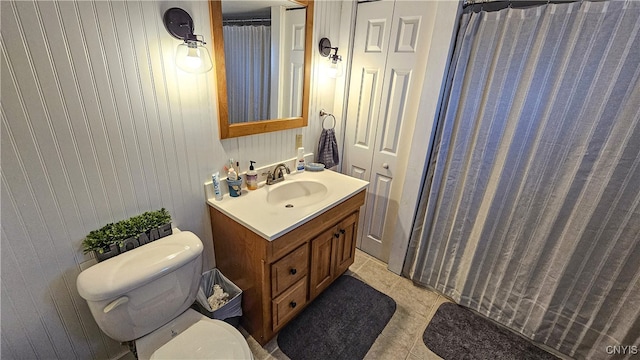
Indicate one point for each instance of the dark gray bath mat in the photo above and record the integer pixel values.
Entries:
(458, 333)
(341, 323)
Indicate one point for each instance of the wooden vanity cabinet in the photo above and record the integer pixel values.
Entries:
(281, 277)
(332, 253)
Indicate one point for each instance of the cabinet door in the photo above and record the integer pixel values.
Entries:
(345, 244)
(321, 262)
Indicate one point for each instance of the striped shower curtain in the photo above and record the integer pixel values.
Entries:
(530, 210)
(247, 52)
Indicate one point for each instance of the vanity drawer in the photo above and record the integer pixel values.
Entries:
(285, 306)
(288, 270)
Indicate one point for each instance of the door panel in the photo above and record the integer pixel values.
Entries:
(345, 244)
(408, 33)
(321, 260)
(293, 71)
(373, 27)
(357, 172)
(382, 190)
(376, 35)
(394, 115)
(364, 117)
(387, 40)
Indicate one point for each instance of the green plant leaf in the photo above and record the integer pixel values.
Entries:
(116, 233)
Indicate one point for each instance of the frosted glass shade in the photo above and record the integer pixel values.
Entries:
(193, 58)
(334, 69)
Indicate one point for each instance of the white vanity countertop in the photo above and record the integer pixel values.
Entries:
(252, 210)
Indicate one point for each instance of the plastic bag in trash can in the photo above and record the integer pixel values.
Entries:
(231, 309)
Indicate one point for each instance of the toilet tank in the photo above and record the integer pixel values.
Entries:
(136, 292)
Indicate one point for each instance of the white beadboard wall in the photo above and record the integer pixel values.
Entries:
(98, 125)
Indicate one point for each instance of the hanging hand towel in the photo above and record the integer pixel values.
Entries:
(328, 149)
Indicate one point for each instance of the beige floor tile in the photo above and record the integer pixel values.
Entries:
(272, 345)
(421, 351)
(359, 260)
(259, 353)
(415, 298)
(363, 254)
(377, 276)
(441, 300)
(387, 347)
(278, 355)
(404, 326)
(413, 357)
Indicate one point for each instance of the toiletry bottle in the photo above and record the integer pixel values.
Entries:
(252, 177)
(216, 185)
(231, 171)
(232, 174)
(300, 161)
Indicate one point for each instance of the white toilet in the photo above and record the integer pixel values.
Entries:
(144, 295)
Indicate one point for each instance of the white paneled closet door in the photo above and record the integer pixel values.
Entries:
(389, 59)
(294, 63)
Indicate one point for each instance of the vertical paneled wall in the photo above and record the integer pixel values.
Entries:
(98, 125)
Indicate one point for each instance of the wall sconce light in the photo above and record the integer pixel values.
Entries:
(335, 60)
(191, 56)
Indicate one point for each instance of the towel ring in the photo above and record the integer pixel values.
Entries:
(326, 115)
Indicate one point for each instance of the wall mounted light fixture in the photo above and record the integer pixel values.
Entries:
(191, 56)
(335, 60)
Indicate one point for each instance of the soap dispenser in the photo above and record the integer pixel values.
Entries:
(252, 177)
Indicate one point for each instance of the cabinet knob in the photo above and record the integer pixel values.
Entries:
(293, 304)
(336, 235)
(342, 231)
(293, 271)
(385, 166)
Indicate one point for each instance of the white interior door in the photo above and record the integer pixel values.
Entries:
(388, 66)
(293, 74)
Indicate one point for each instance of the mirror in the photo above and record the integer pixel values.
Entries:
(281, 107)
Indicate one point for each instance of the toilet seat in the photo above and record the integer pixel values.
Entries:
(206, 339)
(192, 335)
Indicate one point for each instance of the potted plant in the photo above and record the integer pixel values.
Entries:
(116, 238)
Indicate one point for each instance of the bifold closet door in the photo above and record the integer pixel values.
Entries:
(389, 59)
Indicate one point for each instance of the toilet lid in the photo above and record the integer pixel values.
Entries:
(206, 339)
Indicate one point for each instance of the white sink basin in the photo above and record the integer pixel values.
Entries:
(273, 210)
(296, 193)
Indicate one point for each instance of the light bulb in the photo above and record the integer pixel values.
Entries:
(334, 70)
(193, 58)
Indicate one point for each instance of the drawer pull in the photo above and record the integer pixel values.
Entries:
(293, 271)
(342, 231)
(293, 304)
(336, 235)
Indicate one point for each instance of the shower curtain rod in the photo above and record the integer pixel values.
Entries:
(246, 20)
(490, 5)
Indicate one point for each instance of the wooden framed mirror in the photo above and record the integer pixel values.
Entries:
(286, 102)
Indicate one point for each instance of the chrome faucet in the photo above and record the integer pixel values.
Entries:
(277, 175)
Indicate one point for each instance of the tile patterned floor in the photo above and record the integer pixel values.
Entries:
(402, 337)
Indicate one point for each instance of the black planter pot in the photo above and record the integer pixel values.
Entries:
(155, 234)
(128, 244)
(107, 253)
(134, 242)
